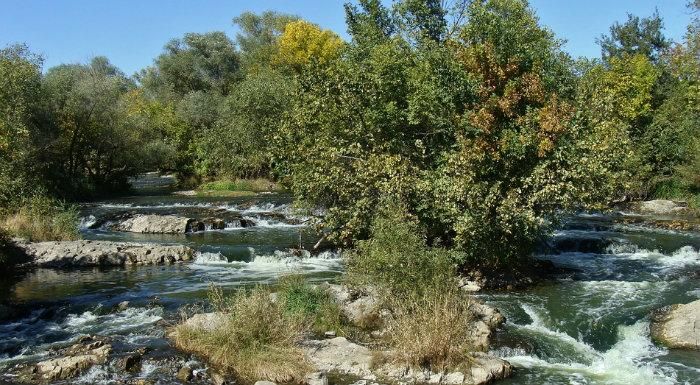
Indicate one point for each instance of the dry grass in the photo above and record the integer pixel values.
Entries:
(431, 331)
(256, 341)
(42, 219)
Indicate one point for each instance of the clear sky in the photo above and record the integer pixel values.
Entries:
(132, 32)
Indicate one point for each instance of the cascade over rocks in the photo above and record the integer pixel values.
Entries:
(677, 326)
(103, 253)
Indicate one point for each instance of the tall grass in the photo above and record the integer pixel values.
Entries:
(257, 339)
(432, 331)
(314, 304)
(41, 218)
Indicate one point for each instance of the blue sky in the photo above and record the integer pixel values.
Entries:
(132, 32)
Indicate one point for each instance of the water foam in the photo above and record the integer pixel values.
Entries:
(632, 360)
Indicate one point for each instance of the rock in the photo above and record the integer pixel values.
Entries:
(131, 362)
(123, 305)
(329, 334)
(677, 326)
(469, 285)
(160, 224)
(485, 369)
(661, 207)
(206, 321)
(265, 383)
(486, 320)
(75, 359)
(214, 224)
(357, 308)
(316, 378)
(104, 253)
(218, 379)
(340, 355)
(184, 374)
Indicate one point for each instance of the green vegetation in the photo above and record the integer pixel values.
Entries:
(471, 118)
(254, 185)
(312, 303)
(41, 219)
(255, 340)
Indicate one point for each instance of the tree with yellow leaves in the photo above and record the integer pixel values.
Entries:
(303, 43)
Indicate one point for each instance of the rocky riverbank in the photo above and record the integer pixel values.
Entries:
(102, 253)
(345, 357)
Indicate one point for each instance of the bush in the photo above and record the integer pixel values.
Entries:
(396, 259)
(40, 218)
(431, 332)
(257, 339)
(316, 305)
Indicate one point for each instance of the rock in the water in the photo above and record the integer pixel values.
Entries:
(184, 374)
(218, 378)
(662, 207)
(104, 253)
(486, 320)
(678, 326)
(75, 359)
(159, 224)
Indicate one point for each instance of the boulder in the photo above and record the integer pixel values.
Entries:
(159, 224)
(345, 357)
(677, 326)
(357, 307)
(339, 354)
(206, 321)
(661, 207)
(265, 383)
(74, 360)
(486, 320)
(185, 374)
(104, 253)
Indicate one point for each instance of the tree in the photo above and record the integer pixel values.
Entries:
(197, 62)
(93, 148)
(425, 18)
(20, 88)
(370, 23)
(636, 36)
(304, 43)
(258, 36)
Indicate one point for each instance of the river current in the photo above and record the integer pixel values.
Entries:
(587, 326)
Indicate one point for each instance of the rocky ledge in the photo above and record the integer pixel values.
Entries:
(103, 253)
(677, 326)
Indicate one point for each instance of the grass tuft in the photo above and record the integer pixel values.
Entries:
(42, 219)
(314, 304)
(431, 332)
(257, 339)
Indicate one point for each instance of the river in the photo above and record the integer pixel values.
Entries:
(589, 325)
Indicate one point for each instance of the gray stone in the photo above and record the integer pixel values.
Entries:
(218, 379)
(316, 378)
(104, 253)
(265, 383)
(662, 207)
(156, 224)
(185, 374)
(339, 354)
(75, 359)
(678, 326)
(206, 321)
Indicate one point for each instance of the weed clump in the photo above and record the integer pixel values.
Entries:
(255, 339)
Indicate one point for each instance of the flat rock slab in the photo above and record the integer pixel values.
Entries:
(156, 224)
(678, 326)
(662, 207)
(104, 253)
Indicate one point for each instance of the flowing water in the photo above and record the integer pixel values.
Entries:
(588, 326)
